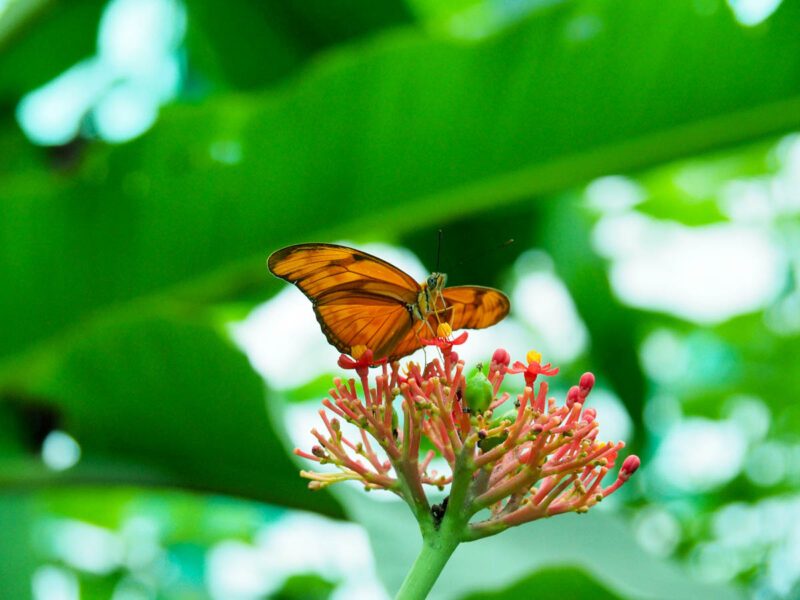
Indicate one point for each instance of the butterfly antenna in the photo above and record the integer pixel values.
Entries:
(438, 250)
(495, 249)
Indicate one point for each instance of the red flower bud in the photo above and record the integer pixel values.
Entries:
(586, 383)
(501, 357)
(629, 467)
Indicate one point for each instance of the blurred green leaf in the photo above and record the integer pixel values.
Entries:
(68, 30)
(550, 584)
(598, 543)
(165, 402)
(305, 587)
(333, 22)
(219, 36)
(17, 560)
(689, 191)
(316, 389)
(241, 44)
(276, 37)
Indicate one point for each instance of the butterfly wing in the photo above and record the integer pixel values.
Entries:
(349, 319)
(468, 307)
(318, 269)
(358, 298)
(474, 307)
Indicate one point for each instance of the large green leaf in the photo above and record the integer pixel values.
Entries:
(384, 137)
(163, 402)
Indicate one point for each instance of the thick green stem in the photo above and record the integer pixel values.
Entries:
(437, 548)
(439, 542)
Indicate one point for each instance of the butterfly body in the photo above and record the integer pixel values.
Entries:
(431, 288)
(362, 300)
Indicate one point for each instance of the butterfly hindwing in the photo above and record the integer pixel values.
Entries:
(474, 307)
(410, 342)
(467, 307)
(351, 319)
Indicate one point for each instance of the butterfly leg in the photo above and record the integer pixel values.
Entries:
(417, 331)
(438, 311)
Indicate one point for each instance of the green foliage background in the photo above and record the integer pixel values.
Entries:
(121, 264)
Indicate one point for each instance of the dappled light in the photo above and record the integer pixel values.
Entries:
(115, 94)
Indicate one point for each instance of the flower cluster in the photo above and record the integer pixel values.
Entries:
(522, 460)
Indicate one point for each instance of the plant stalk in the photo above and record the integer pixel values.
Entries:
(437, 547)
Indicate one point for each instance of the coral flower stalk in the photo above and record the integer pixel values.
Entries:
(523, 460)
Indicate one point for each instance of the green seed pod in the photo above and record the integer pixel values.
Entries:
(478, 393)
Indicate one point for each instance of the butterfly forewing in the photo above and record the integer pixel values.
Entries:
(321, 268)
(358, 298)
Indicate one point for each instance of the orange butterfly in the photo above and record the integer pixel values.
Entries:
(361, 300)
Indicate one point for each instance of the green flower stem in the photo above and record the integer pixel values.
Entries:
(437, 547)
(438, 543)
(410, 486)
(459, 508)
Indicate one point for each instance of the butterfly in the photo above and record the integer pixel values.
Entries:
(361, 300)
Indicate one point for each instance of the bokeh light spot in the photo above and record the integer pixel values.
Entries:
(766, 464)
(125, 112)
(703, 274)
(60, 451)
(657, 530)
(753, 12)
(228, 152)
(614, 193)
(54, 583)
(615, 422)
(698, 455)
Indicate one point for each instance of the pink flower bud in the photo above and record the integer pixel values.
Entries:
(501, 357)
(629, 467)
(573, 396)
(587, 382)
